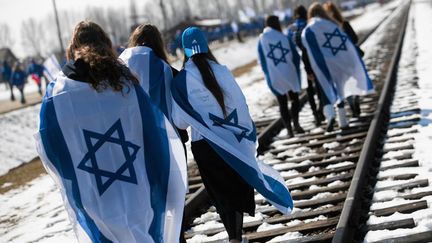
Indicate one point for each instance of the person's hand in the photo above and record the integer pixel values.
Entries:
(310, 76)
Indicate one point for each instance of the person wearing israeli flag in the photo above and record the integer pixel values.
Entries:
(147, 59)
(114, 155)
(336, 63)
(334, 12)
(207, 98)
(280, 63)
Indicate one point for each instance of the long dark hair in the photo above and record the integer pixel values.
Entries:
(273, 22)
(91, 44)
(201, 60)
(300, 12)
(148, 35)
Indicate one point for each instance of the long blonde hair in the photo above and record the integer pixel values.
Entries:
(317, 10)
(334, 12)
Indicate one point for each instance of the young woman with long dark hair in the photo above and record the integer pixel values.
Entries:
(208, 99)
(116, 158)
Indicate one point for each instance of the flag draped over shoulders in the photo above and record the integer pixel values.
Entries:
(153, 73)
(117, 160)
(280, 62)
(335, 61)
(233, 135)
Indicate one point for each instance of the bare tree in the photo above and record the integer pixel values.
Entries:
(164, 14)
(5, 36)
(32, 36)
(117, 22)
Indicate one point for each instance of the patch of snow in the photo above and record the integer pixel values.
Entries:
(287, 236)
(265, 227)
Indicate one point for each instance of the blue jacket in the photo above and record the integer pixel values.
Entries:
(35, 68)
(18, 78)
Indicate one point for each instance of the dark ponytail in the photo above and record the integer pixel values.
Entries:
(201, 60)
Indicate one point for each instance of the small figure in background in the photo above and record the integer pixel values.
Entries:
(18, 79)
(6, 74)
(36, 70)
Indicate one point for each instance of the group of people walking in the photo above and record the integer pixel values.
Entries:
(16, 76)
(112, 130)
(332, 63)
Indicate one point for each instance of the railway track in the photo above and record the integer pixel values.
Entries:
(328, 173)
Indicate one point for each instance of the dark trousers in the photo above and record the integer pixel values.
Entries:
(284, 111)
(354, 103)
(311, 97)
(227, 190)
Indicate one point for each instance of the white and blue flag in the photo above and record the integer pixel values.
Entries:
(232, 136)
(51, 68)
(118, 162)
(280, 62)
(153, 73)
(335, 61)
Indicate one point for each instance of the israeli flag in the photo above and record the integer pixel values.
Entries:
(154, 75)
(51, 68)
(119, 163)
(232, 136)
(335, 61)
(280, 62)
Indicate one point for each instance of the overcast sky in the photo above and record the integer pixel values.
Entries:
(13, 12)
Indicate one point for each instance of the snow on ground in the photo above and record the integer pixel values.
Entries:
(421, 11)
(16, 137)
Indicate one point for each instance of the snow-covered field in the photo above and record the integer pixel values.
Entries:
(34, 212)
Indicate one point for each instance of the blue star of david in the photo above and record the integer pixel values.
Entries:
(232, 121)
(328, 44)
(283, 51)
(129, 151)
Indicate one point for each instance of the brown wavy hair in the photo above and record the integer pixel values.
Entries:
(334, 12)
(148, 35)
(317, 10)
(91, 44)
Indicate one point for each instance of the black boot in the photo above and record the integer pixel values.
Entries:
(290, 131)
(330, 125)
(319, 118)
(297, 127)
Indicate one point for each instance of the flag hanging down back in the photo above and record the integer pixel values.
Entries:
(335, 61)
(233, 136)
(119, 163)
(153, 73)
(280, 62)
